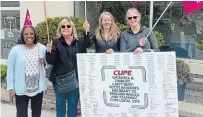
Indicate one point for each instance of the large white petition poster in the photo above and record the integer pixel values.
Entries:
(128, 85)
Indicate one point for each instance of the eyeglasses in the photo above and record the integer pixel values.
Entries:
(68, 26)
(134, 17)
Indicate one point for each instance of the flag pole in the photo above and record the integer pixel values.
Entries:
(43, 67)
(85, 11)
(158, 20)
(45, 13)
(86, 14)
(40, 58)
(47, 35)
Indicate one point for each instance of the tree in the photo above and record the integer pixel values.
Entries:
(117, 9)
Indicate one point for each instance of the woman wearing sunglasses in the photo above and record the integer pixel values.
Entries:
(62, 55)
(106, 34)
(134, 39)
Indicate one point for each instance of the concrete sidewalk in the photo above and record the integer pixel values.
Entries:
(8, 110)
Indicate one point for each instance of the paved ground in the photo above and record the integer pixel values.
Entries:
(8, 110)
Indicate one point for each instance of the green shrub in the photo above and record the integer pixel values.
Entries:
(160, 38)
(53, 25)
(121, 27)
(3, 71)
(200, 46)
(183, 72)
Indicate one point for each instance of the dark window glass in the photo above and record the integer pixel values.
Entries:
(10, 4)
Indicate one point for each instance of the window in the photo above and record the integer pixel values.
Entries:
(10, 4)
(10, 19)
(180, 34)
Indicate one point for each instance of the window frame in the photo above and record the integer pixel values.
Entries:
(16, 8)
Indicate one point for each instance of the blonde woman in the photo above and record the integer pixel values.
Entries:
(134, 39)
(106, 34)
(62, 55)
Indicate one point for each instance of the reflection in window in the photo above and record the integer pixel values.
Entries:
(180, 34)
(10, 19)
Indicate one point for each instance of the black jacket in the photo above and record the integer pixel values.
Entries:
(101, 46)
(63, 56)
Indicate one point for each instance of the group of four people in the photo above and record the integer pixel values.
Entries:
(25, 76)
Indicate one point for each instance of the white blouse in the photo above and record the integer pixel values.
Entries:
(32, 71)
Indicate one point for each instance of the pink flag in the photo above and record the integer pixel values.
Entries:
(27, 21)
(192, 6)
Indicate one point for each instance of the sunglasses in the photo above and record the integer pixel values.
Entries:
(134, 17)
(68, 26)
